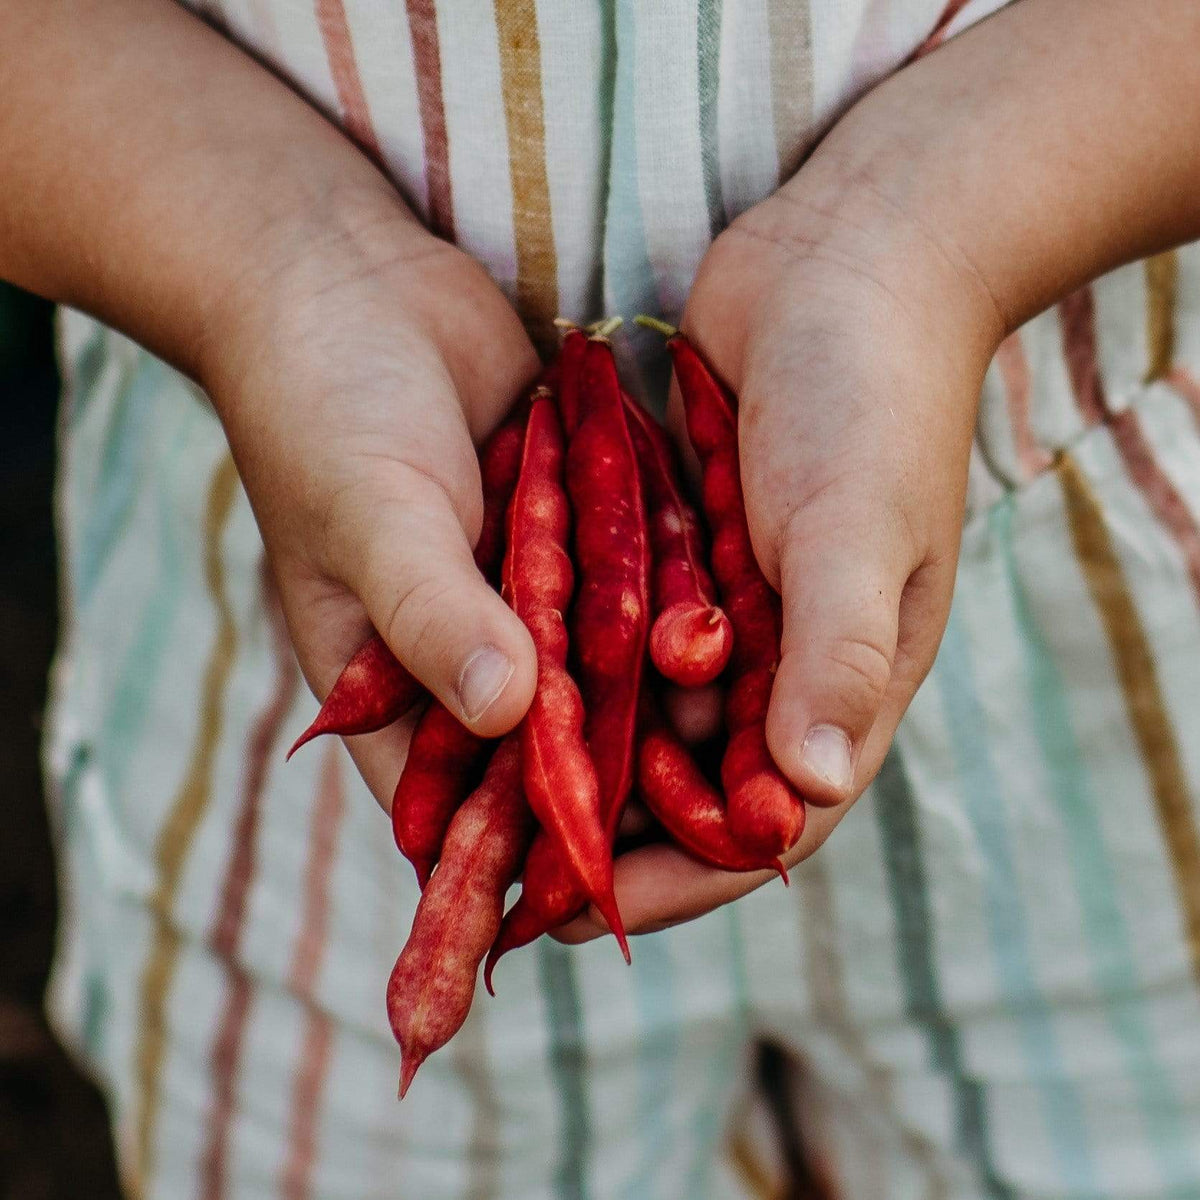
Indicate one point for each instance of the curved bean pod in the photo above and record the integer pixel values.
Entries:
(432, 985)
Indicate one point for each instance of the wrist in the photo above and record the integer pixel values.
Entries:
(331, 237)
(838, 217)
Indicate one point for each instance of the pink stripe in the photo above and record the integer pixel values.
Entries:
(339, 50)
(1014, 371)
(313, 1065)
(427, 61)
(1078, 317)
(1161, 494)
(938, 36)
(228, 924)
(1185, 383)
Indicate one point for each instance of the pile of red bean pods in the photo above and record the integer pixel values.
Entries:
(591, 540)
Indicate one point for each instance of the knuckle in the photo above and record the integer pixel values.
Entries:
(420, 614)
(863, 669)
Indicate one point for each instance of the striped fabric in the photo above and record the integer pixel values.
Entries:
(990, 973)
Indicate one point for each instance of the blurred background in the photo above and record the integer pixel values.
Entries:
(54, 1142)
(54, 1138)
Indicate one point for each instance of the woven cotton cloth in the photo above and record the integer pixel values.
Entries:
(989, 972)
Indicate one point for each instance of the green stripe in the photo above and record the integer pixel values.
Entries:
(658, 1026)
(629, 285)
(134, 685)
(984, 799)
(120, 476)
(568, 1061)
(84, 373)
(896, 811)
(1097, 884)
(708, 70)
(709, 1121)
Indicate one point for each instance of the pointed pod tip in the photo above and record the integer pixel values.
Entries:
(314, 730)
(409, 1064)
(777, 865)
(612, 916)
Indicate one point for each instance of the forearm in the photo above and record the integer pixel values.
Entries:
(1052, 143)
(155, 175)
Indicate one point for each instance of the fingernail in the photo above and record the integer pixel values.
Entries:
(483, 678)
(826, 753)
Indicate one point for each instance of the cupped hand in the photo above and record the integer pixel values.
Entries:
(353, 386)
(857, 343)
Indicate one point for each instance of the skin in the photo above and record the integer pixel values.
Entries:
(160, 178)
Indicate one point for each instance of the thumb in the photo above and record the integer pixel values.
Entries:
(413, 570)
(841, 605)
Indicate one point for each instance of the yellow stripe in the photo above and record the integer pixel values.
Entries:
(791, 82)
(1140, 688)
(831, 1001)
(1162, 282)
(751, 1171)
(177, 833)
(521, 80)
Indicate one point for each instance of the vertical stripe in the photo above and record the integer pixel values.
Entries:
(1079, 347)
(339, 50)
(753, 1175)
(309, 1079)
(1162, 286)
(175, 838)
(473, 1065)
(938, 36)
(132, 693)
(658, 1009)
(1160, 492)
(629, 285)
(1188, 387)
(984, 800)
(560, 988)
(521, 78)
(1077, 318)
(1014, 373)
(708, 78)
(229, 920)
(896, 811)
(1097, 883)
(791, 82)
(121, 473)
(832, 1004)
(427, 66)
(1143, 697)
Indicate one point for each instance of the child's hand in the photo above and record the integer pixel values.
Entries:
(352, 394)
(855, 313)
(857, 388)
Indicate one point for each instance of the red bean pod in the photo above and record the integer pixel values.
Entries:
(688, 807)
(432, 984)
(609, 624)
(692, 638)
(444, 756)
(765, 813)
(559, 775)
(372, 691)
(570, 371)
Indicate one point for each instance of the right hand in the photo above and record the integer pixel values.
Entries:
(353, 381)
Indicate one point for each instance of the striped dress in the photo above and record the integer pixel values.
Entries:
(989, 975)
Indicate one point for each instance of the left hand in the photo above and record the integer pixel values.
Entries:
(857, 380)
(855, 312)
